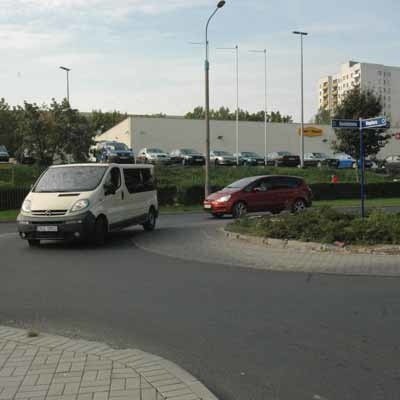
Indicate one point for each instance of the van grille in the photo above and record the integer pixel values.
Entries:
(49, 213)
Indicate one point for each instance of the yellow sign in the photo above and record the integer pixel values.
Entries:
(311, 131)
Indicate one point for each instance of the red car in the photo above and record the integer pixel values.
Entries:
(260, 193)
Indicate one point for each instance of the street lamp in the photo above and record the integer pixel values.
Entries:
(302, 97)
(67, 71)
(207, 111)
(236, 49)
(265, 102)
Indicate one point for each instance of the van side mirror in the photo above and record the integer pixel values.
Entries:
(109, 188)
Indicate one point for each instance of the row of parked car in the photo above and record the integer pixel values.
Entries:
(109, 151)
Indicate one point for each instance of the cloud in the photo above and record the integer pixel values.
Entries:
(106, 8)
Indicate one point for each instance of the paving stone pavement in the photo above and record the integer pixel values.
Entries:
(51, 367)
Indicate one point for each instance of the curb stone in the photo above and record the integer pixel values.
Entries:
(393, 250)
(52, 367)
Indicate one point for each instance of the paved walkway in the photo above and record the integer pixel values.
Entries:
(51, 367)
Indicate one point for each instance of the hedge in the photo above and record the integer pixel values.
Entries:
(11, 198)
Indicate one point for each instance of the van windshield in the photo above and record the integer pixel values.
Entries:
(70, 179)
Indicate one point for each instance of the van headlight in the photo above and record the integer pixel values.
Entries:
(26, 206)
(80, 205)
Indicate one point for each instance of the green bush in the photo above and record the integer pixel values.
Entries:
(324, 225)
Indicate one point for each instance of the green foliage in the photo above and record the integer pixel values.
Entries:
(324, 225)
(360, 104)
(103, 121)
(323, 117)
(224, 114)
(8, 127)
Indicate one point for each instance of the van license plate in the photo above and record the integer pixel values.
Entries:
(53, 228)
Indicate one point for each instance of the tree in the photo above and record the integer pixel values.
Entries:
(360, 104)
(224, 113)
(103, 121)
(323, 117)
(8, 127)
(36, 128)
(73, 130)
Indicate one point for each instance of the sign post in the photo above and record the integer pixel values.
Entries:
(361, 124)
(362, 180)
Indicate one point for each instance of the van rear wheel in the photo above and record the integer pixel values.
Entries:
(151, 221)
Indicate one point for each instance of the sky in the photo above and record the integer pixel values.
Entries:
(135, 56)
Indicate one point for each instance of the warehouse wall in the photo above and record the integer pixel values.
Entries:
(171, 133)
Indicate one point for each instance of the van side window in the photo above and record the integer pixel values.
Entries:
(133, 180)
(114, 178)
(148, 180)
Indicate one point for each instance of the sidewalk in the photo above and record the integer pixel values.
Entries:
(51, 367)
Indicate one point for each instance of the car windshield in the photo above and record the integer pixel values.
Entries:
(117, 146)
(70, 179)
(190, 151)
(156, 151)
(222, 153)
(3, 148)
(284, 153)
(250, 154)
(240, 184)
(319, 155)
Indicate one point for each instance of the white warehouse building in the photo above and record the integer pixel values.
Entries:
(169, 133)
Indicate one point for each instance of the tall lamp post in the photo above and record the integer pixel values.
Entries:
(67, 71)
(207, 111)
(265, 102)
(302, 34)
(236, 49)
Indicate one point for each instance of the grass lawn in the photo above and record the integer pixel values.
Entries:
(8, 215)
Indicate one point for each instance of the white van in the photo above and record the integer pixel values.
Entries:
(86, 201)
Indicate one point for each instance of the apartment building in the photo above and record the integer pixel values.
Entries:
(383, 80)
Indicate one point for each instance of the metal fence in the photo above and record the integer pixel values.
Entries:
(12, 198)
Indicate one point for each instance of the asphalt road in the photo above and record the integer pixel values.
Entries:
(246, 333)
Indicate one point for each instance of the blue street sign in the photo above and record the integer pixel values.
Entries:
(346, 123)
(378, 122)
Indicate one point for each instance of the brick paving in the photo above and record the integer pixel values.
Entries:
(51, 367)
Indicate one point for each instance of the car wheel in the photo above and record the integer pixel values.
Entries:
(299, 205)
(33, 242)
(99, 232)
(216, 215)
(151, 221)
(239, 210)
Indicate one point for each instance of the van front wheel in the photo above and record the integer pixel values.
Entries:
(100, 232)
(150, 223)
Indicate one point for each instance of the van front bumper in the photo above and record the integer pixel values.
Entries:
(76, 227)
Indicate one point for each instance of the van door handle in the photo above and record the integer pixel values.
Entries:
(122, 195)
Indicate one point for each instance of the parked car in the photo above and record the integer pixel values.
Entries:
(345, 161)
(316, 159)
(283, 159)
(220, 157)
(392, 164)
(260, 193)
(87, 201)
(187, 157)
(24, 156)
(153, 156)
(250, 158)
(114, 152)
(4, 156)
